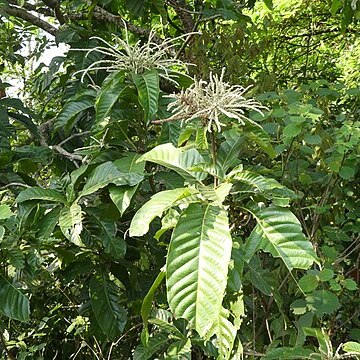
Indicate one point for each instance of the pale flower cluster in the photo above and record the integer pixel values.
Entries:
(137, 58)
(213, 101)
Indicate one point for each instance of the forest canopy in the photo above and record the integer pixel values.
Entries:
(179, 179)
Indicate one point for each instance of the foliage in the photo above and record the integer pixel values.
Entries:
(151, 208)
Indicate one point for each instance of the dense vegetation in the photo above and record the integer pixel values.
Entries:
(182, 182)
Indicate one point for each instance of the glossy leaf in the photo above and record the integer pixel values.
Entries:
(13, 303)
(70, 222)
(70, 110)
(37, 193)
(105, 174)
(197, 265)
(148, 88)
(352, 347)
(110, 315)
(225, 333)
(176, 159)
(108, 95)
(279, 232)
(228, 151)
(156, 206)
(156, 343)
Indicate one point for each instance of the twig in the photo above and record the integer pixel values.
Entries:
(170, 119)
(14, 184)
(60, 150)
(74, 136)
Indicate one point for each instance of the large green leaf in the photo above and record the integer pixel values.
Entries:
(279, 232)
(249, 181)
(148, 88)
(114, 245)
(109, 94)
(70, 110)
(47, 224)
(13, 303)
(158, 203)
(70, 222)
(197, 265)
(37, 193)
(176, 159)
(228, 151)
(256, 134)
(110, 315)
(121, 196)
(106, 174)
(225, 333)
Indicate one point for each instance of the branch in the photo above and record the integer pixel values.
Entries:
(60, 150)
(31, 7)
(24, 15)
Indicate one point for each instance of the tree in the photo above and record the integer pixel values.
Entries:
(153, 208)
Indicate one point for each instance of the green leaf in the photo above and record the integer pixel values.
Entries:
(308, 283)
(269, 4)
(157, 204)
(105, 174)
(70, 110)
(121, 196)
(298, 307)
(47, 224)
(109, 94)
(287, 353)
(326, 274)
(253, 182)
(2, 232)
(228, 151)
(179, 350)
(37, 193)
(321, 336)
(70, 222)
(148, 88)
(322, 302)
(110, 315)
(147, 302)
(176, 159)
(292, 130)
(114, 246)
(156, 343)
(350, 284)
(279, 232)
(225, 333)
(352, 347)
(5, 212)
(197, 265)
(13, 303)
(256, 134)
